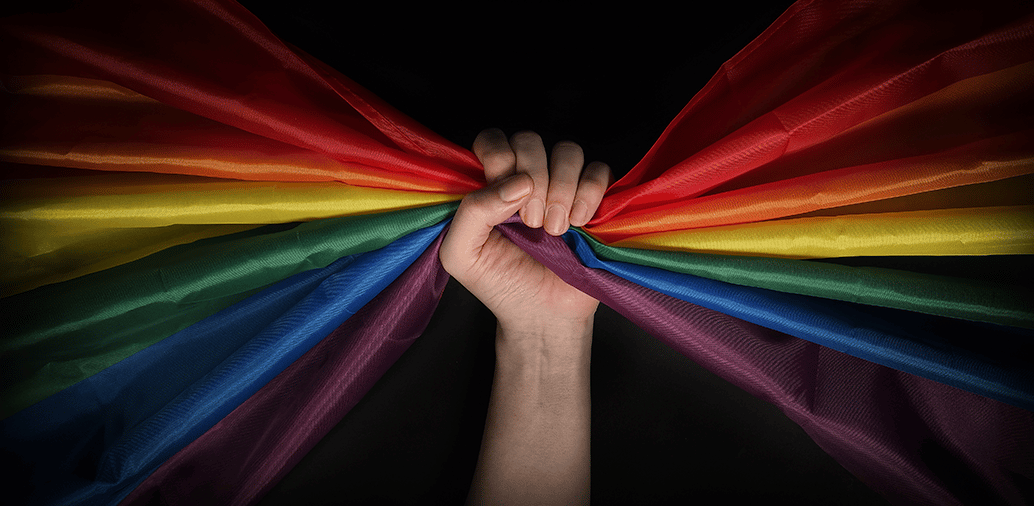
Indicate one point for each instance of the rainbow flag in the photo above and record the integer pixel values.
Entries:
(213, 246)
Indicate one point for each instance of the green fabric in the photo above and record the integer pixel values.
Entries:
(925, 293)
(60, 334)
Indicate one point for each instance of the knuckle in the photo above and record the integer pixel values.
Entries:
(562, 188)
(600, 172)
(592, 187)
(568, 155)
(525, 137)
(540, 185)
(499, 159)
(470, 203)
(567, 145)
(599, 167)
(492, 133)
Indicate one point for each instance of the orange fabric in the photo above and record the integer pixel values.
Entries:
(998, 146)
(758, 124)
(89, 124)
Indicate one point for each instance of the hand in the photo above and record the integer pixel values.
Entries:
(535, 449)
(524, 295)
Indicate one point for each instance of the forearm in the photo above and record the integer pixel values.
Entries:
(536, 443)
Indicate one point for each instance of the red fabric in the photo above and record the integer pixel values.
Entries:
(789, 105)
(822, 69)
(217, 61)
(832, 88)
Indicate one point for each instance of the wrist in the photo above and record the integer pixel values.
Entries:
(560, 344)
(550, 329)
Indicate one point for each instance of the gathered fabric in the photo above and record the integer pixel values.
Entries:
(213, 246)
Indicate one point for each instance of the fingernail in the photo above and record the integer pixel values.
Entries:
(556, 219)
(533, 213)
(579, 213)
(514, 188)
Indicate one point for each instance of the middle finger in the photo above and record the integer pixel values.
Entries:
(564, 171)
(531, 160)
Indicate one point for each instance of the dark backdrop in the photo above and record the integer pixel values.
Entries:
(664, 430)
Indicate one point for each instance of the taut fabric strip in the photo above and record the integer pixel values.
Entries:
(830, 191)
(60, 228)
(1006, 230)
(118, 200)
(954, 297)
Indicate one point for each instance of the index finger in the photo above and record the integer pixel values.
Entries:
(493, 149)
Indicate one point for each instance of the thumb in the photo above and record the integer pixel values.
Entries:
(478, 213)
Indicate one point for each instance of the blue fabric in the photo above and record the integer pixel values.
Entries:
(95, 441)
(983, 358)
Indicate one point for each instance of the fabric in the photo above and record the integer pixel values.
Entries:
(971, 231)
(955, 297)
(841, 410)
(144, 416)
(336, 373)
(62, 227)
(851, 85)
(905, 341)
(65, 333)
(163, 299)
(755, 348)
(274, 86)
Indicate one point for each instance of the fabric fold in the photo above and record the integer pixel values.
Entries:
(940, 349)
(1006, 230)
(839, 400)
(953, 297)
(260, 86)
(72, 257)
(58, 228)
(80, 205)
(135, 414)
(327, 381)
(60, 334)
(842, 66)
(995, 159)
(848, 129)
(107, 127)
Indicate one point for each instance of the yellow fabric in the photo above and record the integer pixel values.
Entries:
(1006, 230)
(117, 200)
(826, 192)
(860, 178)
(67, 258)
(60, 228)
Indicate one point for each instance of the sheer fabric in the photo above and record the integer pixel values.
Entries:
(163, 299)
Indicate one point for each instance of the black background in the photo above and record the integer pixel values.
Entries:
(664, 430)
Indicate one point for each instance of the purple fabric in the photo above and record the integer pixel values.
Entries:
(251, 449)
(911, 439)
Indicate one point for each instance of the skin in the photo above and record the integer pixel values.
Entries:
(535, 449)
